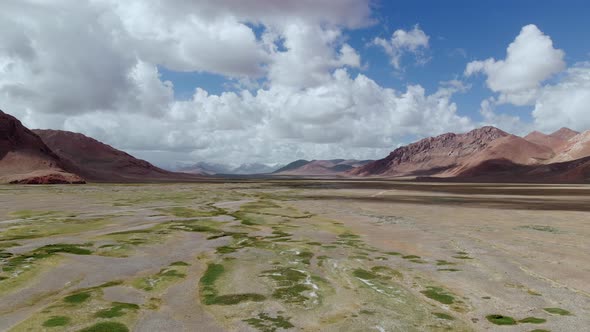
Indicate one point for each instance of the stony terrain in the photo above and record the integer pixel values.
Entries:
(295, 255)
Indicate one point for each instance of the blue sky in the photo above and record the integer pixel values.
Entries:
(230, 81)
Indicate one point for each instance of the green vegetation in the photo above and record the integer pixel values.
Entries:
(161, 279)
(265, 323)
(443, 262)
(106, 327)
(231, 299)
(65, 248)
(183, 212)
(56, 321)
(501, 320)
(4, 245)
(15, 263)
(50, 225)
(411, 257)
(541, 228)
(179, 263)
(438, 294)
(209, 293)
(364, 274)
(291, 284)
(557, 311)
(77, 298)
(28, 214)
(118, 309)
(442, 315)
(533, 320)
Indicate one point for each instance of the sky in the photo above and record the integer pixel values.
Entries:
(243, 81)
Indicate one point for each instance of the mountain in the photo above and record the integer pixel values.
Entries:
(539, 138)
(432, 155)
(253, 168)
(575, 148)
(489, 154)
(206, 168)
(511, 148)
(564, 134)
(502, 170)
(320, 167)
(99, 162)
(25, 158)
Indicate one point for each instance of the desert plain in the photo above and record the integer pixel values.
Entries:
(298, 255)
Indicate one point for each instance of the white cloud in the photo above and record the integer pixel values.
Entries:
(345, 116)
(92, 67)
(530, 60)
(509, 123)
(414, 41)
(566, 103)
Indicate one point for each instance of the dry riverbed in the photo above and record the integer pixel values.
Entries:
(300, 255)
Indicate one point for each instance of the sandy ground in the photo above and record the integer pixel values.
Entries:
(360, 256)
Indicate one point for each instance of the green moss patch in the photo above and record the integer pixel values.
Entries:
(179, 263)
(442, 315)
(438, 294)
(540, 228)
(533, 320)
(106, 327)
(501, 320)
(210, 295)
(77, 298)
(56, 321)
(266, 323)
(183, 212)
(232, 299)
(364, 274)
(557, 311)
(163, 278)
(291, 284)
(117, 310)
(440, 262)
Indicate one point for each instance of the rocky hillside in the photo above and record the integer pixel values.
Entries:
(25, 158)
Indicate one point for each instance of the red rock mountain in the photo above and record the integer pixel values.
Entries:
(96, 161)
(489, 154)
(432, 155)
(502, 170)
(564, 134)
(24, 157)
(575, 148)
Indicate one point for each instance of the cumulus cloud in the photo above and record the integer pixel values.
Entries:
(346, 116)
(414, 41)
(92, 67)
(530, 60)
(566, 102)
(510, 123)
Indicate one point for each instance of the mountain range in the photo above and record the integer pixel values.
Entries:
(320, 167)
(490, 154)
(55, 156)
(486, 154)
(206, 168)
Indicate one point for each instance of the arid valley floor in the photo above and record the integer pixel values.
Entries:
(301, 255)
